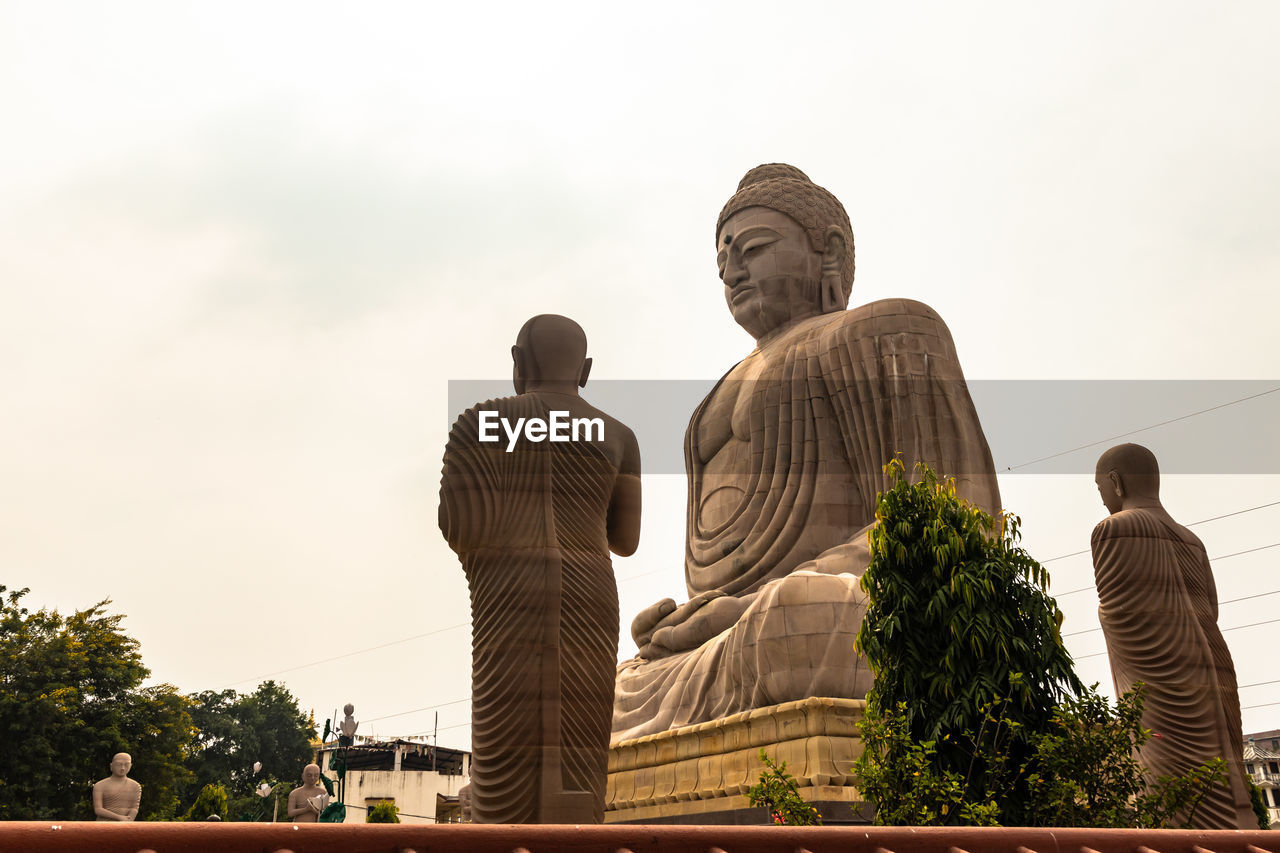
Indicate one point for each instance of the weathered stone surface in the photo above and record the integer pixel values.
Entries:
(709, 767)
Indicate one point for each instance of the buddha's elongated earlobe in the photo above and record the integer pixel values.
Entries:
(833, 298)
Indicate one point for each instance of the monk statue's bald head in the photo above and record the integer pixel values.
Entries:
(1128, 475)
(550, 353)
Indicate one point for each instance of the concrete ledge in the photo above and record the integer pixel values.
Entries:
(708, 768)
(66, 837)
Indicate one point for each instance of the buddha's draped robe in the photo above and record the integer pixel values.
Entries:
(839, 396)
(1159, 611)
(530, 529)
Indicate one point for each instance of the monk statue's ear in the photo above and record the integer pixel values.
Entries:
(1117, 483)
(519, 369)
(586, 371)
(833, 249)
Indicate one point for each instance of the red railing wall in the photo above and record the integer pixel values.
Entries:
(51, 837)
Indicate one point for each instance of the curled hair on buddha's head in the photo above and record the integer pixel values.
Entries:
(789, 191)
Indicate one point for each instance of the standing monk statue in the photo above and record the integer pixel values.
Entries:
(785, 458)
(117, 797)
(537, 490)
(1159, 611)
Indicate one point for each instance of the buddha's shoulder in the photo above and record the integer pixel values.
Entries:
(889, 317)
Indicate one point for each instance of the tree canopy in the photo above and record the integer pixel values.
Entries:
(236, 731)
(71, 697)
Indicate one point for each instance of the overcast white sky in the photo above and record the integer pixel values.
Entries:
(244, 248)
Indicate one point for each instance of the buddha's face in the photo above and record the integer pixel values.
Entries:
(771, 273)
(311, 774)
(121, 764)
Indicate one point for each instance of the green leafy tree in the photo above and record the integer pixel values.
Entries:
(777, 792)
(212, 801)
(71, 697)
(238, 730)
(383, 812)
(977, 717)
(959, 623)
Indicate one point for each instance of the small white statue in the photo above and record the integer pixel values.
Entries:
(117, 797)
(349, 725)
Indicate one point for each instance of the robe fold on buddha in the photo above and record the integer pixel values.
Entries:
(529, 528)
(1159, 611)
(839, 396)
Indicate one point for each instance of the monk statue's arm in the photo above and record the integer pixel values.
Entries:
(624, 506)
(137, 803)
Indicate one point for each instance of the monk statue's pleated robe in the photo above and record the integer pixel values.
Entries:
(1159, 611)
(529, 527)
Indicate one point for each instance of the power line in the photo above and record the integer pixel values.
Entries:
(1263, 705)
(1192, 524)
(1224, 630)
(1211, 559)
(636, 577)
(441, 729)
(416, 710)
(350, 654)
(1142, 429)
(1076, 633)
(1220, 603)
(1258, 684)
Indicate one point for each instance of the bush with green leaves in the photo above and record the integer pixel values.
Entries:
(977, 716)
(1259, 806)
(959, 622)
(212, 801)
(383, 812)
(1085, 772)
(777, 792)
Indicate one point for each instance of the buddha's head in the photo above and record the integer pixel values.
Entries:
(550, 353)
(785, 250)
(121, 763)
(1127, 475)
(311, 774)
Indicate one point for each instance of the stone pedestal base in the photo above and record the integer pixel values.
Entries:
(701, 774)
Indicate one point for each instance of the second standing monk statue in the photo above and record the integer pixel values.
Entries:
(537, 489)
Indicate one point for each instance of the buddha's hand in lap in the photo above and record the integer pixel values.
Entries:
(654, 629)
(689, 625)
(664, 629)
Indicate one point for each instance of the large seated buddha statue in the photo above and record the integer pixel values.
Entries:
(785, 458)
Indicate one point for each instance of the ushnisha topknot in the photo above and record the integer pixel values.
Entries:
(788, 190)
